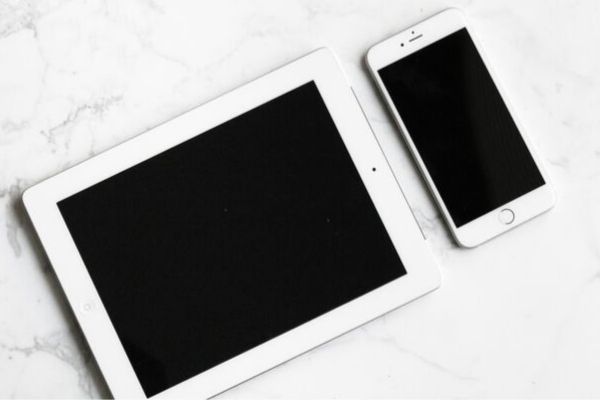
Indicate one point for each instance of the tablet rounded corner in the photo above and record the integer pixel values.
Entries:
(325, 50)
(28, 197)
(434, 279)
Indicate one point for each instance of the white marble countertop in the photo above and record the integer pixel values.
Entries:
(516, 317)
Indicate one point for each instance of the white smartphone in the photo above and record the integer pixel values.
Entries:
(460, 128)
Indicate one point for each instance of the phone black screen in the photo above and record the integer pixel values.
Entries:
(231, 238)
(461, 127)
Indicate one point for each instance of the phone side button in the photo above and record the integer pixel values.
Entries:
(506, 216)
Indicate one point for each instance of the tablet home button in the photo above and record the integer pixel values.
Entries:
(87, 306)
(506, 216)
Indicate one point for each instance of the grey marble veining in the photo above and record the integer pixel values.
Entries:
(515, 317)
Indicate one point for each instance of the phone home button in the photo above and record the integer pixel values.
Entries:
(506, 216)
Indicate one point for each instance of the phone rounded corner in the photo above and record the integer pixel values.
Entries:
(455, 12)
(465, 242)
(369, 58)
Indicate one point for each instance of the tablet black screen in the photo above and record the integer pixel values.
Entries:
(230, 239)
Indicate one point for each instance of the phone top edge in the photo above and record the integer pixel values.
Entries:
(378, 56)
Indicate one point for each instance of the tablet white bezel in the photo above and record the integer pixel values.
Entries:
(414, 39)
(319, 66)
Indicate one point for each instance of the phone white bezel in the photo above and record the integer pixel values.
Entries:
(319, 66)
(413, 39)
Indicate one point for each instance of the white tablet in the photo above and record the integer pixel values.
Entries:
(234, 237)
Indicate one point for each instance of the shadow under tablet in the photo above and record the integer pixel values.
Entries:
(230, 239)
